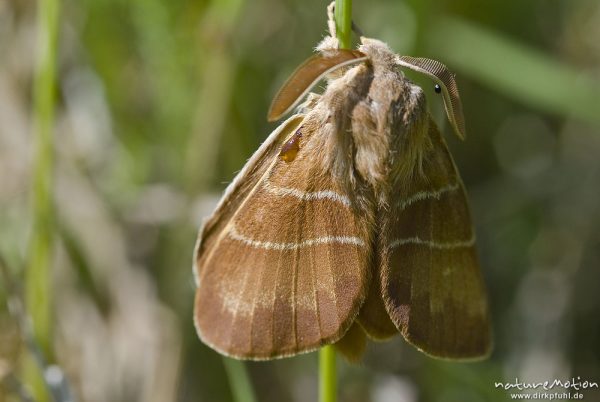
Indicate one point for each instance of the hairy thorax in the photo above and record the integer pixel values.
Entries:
(376, 123)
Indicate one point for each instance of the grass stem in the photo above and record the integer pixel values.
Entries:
(38, 277)
(327, 359)
(343, 22)
(241, 386)
(327, 374)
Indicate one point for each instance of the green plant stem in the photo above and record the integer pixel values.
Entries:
(327, 360)
(38, 283)
(241, 387)
(343, 22)
(327, 374)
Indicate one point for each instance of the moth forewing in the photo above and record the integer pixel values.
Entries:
(431, 281)
(239, 188)
(281, 276)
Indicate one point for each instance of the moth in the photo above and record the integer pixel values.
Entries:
(350, 221)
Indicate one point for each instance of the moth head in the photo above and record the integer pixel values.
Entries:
(378, 52)
(379, 55)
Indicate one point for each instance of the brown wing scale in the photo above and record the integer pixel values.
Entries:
(373, 317)
(287, 271)
(430, 278)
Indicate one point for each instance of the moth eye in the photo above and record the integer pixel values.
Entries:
(290, 149)
(437, 89)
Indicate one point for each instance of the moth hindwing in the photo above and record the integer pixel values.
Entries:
(350, 219)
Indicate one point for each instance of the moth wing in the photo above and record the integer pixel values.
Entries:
(430, 278)
(238, 189)
(353, 344)
(373, 317)
(283, 266)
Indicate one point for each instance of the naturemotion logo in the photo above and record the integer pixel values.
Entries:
(574, 384)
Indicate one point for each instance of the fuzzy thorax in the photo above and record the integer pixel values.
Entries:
(376, 121)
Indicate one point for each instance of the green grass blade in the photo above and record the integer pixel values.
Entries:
(241, 386)
(518, 71)
(38, 275)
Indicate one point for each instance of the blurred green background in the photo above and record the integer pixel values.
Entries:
(159, 103)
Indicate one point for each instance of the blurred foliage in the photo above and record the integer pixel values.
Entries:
(160, 103)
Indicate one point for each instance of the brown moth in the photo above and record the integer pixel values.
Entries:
(349, 221)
